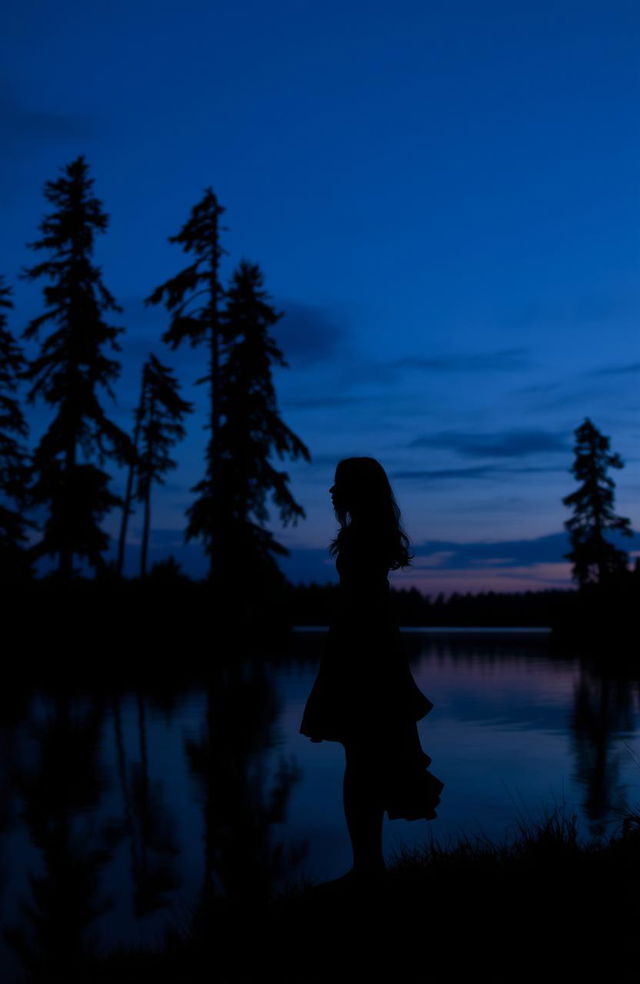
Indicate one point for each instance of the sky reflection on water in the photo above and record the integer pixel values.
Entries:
(514, 732)
(157, 794)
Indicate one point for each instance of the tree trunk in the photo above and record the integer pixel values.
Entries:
(214, 470)
(127, 498)
(145, 531)
(66, 550)
(146, 473)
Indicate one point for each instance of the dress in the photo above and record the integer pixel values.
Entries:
(364, 691)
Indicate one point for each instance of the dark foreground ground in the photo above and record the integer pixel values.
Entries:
(544, 908)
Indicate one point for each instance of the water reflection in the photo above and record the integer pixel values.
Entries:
(502, 732)
(227, 764)
(60, 782)
(603, 713)
(147, 819)
(99, 789)
(139, 806)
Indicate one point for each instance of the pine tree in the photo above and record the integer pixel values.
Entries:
(593, 557)
(157, 424)
(200, 235)
(15, 564)
(251, 430)
(162, 412)
(131, 473)
(71, 365)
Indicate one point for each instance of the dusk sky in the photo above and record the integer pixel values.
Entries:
(444, 200)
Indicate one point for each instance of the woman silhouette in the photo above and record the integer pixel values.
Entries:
(364, 695)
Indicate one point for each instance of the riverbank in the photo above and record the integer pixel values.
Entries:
(542, 907)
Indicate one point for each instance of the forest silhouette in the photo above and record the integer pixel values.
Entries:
(230, 325)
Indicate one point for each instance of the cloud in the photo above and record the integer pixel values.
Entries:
(506, 359)
(144, 327)
(361, 370)
(21, 126)
(324, 402)
(616, 370)
(581, 398)
(439, 565)
(500, 444)
(307, 334)
(437, 559)
(479, 471)
(474, 471)
(520, 559)
(503, 553)
(533, 470)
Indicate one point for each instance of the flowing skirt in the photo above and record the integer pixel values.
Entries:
(395, 768)
(366, 698)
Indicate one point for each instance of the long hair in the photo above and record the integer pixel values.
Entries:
(366, 505)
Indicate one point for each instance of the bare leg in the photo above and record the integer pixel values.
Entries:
(363, 812)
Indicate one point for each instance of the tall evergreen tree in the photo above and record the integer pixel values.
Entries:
(593, 557)
(162, 412)
(252, 429)
(70, 367)
(15, 564)
(200, 235)
(157, 425)
(131, 472)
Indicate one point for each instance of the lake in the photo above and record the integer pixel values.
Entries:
(119, 806)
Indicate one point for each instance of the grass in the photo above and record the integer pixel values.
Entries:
(541, 907)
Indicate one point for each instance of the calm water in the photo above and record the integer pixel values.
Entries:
(116, 807)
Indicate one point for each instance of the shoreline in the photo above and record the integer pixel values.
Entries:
(540, 907)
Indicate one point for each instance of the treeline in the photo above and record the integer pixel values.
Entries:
(592, 617)
(312, 604)
(63, 478)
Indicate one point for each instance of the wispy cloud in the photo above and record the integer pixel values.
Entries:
(500, 444)
(540, 576)
(441, 562)
(631, 367)
(478, 471)
(503, 553)
(307, 334)
(503, 360)
(21, 125)
(474, 471)
(324, 402)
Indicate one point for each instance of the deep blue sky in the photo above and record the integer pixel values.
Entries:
(443, 198)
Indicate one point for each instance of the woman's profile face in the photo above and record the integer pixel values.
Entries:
(337, 493)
